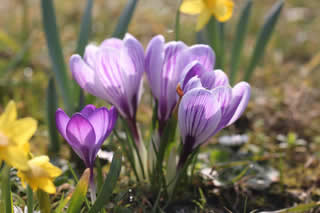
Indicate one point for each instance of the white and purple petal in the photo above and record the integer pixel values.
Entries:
(201, 53)
(198, 116)
(240, 97)
(62, 120)
(191, 70)
(153, 63)
(169, 79)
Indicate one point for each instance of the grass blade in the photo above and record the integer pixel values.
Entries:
(79, 194)
(215, 37)
(220, 65)
(52, 105)
(85, 28)
(177, 26)
(264, 37)
(241, 32)
(55, 52)
(125, 18)
(6, 190)
(109, 184)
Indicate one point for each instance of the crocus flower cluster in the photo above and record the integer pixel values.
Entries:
(113, 72)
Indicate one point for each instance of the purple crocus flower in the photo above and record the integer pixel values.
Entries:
(164, 70)
(207, 107)
(86, 131)
(113, 72)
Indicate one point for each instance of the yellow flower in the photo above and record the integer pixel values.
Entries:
(220, 9)
(14, 136)
(40, 175)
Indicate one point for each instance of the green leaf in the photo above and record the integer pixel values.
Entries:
(125, 18)
(177, 26)
(55, 52)
(264, 37)
(52, 105)
(215, 31)
(62, 203)
(296, 209)
(109, 184)
(79, 194)
(238, 42)
(6, 190)
(85, 28)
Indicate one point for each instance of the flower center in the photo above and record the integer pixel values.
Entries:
(3, 140)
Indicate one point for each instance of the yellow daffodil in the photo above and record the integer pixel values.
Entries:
(14, 136)
(40, 174)
(220, 9)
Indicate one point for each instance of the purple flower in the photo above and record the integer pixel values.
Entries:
(205, 111)
(86, 131)
(113, 72)
(162, 73)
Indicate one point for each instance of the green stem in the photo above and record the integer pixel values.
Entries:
(44, 201)
(30, 199)
(132, 135)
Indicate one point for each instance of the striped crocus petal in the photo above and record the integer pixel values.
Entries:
(199, 116)
(120, 72)
(193, 69)
(193, 83)
(85, 76)
(90, 55)
(113, 72)
(240, 97)
(201, 53)
(153, 63)
(163, 75)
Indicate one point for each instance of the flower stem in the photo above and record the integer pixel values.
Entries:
(92, 187)
(134, 130)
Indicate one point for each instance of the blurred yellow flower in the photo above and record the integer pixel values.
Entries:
(220, 9)
(14, 136)
(40, 175)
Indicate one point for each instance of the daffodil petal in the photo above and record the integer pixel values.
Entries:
(192, 7)
(16, 157)
(9, 115)
(21, 130)
(43, 162)
(223, 10)
(40, 174)
(46, 185)
(203, 19)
